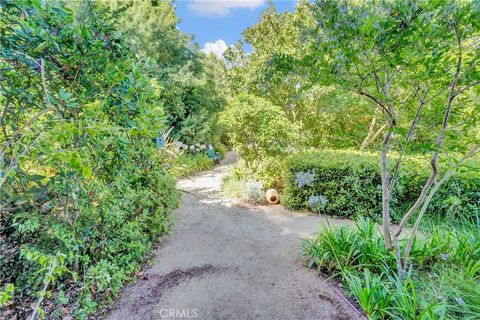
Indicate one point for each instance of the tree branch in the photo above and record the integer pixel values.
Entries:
(437, 185)
(440, 140)
(467, 87)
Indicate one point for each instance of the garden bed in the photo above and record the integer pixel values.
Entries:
(446, 283)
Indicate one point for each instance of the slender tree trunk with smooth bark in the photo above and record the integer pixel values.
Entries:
(385, 191)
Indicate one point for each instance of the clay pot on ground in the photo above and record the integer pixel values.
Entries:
(272, 196)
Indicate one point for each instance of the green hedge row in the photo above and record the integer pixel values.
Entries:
(348, 184)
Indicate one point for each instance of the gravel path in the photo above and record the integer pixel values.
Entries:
(227, 261)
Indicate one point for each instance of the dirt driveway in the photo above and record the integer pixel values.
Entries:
(225, 261)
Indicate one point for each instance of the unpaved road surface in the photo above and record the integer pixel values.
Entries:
(227, 261)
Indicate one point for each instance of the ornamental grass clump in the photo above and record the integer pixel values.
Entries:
(441, 282)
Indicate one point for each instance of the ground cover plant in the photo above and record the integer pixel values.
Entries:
(444, 286)
(187, 164)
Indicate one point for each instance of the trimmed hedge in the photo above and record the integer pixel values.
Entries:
(348, 184)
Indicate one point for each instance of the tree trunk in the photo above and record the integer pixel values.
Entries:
(386, 194)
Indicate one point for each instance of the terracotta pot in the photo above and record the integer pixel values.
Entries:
(272, 196)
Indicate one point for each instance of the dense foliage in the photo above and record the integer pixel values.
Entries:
(308, 114)
(261, 134)
(417, 64)
(84, 191)
(187, 164)
(397, 77)
(348, 184)
(319, 112)
(447, 286)
(190, 83)
(304, 63)
(406, 57)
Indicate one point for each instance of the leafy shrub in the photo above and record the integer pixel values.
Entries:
(189, 81)
(236, 186)
(87, 193)
(446, 284)
(220, 148)
(252, 191)
(261, 134)
(349, 184)
(231, 187)
(187, 164)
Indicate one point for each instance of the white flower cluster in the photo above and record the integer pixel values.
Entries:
(195, 148)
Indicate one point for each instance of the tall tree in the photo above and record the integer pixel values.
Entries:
(325, 115)
(189, 83)
(413, 61)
